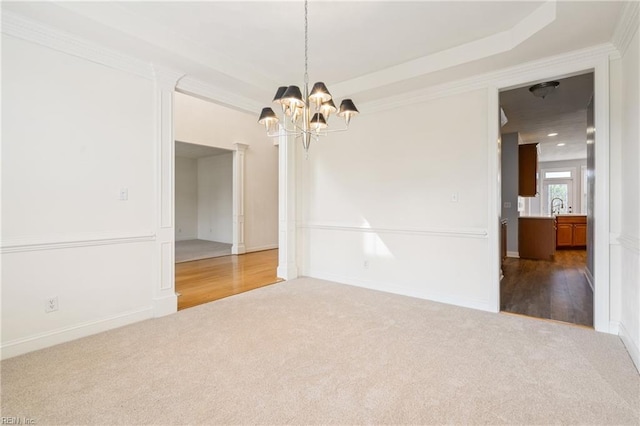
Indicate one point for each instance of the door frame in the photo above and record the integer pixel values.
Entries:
(541, 71)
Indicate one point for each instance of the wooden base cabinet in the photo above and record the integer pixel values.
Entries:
(536, 238)
(571, 231)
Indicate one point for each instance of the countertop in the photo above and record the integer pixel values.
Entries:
(552, 216)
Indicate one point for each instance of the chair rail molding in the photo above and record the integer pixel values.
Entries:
(51, 242)
(436, 232)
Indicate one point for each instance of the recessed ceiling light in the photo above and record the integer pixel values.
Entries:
(561, 144)
(552, 134)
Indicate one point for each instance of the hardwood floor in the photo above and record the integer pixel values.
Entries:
(206, 280)
(556, 290)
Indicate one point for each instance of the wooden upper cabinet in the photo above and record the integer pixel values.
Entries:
(528, 170)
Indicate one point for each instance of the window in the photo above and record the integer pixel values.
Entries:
(566, 174)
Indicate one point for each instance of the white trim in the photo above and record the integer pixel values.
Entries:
(601, 290)
(589, 276)
(565, 64)
(574, 63)
(17, 245)
(25, 29)
(44, 340)
(386, 287)
(238, 185)
(287, 209)
(261, 248)
(614, 326)
(165, 305)
(437, 232)
(634, 351)
(494, 198)
(629, 242)
(626, 27)
(194, 87)
(513, 254)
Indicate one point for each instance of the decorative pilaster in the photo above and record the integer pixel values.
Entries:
(164, 297)
(238, 246)
(287, 266)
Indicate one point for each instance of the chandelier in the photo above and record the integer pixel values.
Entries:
(305, 114)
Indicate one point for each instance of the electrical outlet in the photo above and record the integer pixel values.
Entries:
(366, 264)
(51, 304)
(454, 197)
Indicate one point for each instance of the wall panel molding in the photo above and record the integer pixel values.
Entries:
(436, 232)
(17, 245)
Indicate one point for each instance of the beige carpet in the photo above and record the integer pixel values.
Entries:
(188, 250)
(309, 351)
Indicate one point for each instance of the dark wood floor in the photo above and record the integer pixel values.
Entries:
(556, 290)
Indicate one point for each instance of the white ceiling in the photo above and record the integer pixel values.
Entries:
(365, 49)
(189, 150)
(564, 111)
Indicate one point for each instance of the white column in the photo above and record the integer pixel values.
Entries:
(164, 297)
(238, 198)
(287, 267)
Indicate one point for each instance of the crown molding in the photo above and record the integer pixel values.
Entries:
(192, 86)
(627, 26)
(533, 68)
(16, 26)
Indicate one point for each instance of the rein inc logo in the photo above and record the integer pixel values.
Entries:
(15, 420)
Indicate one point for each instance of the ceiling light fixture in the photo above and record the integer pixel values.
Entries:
(296, 105)
(552, 134)
(541, 90)
(561, 144)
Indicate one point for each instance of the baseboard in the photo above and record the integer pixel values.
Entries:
(632, 348)
(482, 305)
(288, 271)
(44, 340)
(589, 277)
(165, 306)
(261, 248)
(514, 254)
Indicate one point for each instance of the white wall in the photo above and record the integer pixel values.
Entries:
(630, 200)
(215, 198)
(186, 190)
(205, 123)
(377, 209)
(74, 133)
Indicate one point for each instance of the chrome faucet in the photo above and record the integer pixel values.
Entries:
(553, 206)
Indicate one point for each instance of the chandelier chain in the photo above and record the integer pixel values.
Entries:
(306, 42)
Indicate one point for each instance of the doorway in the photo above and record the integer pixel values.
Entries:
(551, 283)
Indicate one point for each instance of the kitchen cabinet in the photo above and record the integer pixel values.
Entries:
(571, 231)
(528, 170)
(536, 237)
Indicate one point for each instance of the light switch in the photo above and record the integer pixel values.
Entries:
(124, 194)
(454, 197)
(507, 205)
